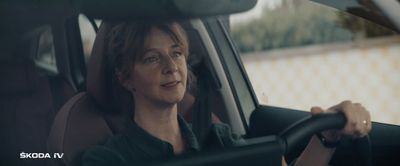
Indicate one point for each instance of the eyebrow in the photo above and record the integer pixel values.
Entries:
(175, 46)
(154, 49)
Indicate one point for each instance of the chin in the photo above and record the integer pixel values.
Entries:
(177, 99)
(173, 99)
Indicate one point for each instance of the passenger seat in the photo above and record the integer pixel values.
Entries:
(80, 123)
(27, 107)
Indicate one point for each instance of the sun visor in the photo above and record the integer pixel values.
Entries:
(160, 9)
(366, 9)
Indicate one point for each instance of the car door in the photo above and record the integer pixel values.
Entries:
(284, 57)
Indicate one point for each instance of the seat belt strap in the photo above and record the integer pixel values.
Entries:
(202, 111)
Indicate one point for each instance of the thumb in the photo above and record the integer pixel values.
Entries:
(316, 110)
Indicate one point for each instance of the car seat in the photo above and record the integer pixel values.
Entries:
(80, 124)
(27, 105)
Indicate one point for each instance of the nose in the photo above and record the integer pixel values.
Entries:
(170, 66)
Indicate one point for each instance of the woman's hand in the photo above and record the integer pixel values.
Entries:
(358, 121)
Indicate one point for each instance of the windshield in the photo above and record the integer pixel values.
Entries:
(299, 54)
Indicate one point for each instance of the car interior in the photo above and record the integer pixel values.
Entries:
(67, 110)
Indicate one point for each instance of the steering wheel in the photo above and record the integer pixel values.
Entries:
(269, 150)
(306, 127)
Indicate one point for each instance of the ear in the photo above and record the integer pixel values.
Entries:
(126, 83)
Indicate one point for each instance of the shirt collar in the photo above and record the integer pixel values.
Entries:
(190, 138)
(153, 146)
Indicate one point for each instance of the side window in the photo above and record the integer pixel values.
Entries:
(45, 57)
(88, 34)
(299, 54)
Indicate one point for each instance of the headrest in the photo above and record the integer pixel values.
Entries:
(96, 78)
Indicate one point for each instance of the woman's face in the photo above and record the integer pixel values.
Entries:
(159, 77)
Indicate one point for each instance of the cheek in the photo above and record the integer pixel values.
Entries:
(184, 72)
(140, 82)
(143, 78)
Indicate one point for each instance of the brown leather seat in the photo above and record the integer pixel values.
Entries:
(80, 123)
(26, 112)
(26, 107)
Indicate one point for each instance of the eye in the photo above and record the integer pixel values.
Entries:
(177, 54)
(151, 59)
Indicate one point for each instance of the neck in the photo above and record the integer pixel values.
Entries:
(157, 121)
(160, 121)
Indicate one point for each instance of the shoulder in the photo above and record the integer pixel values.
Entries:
(107, 154)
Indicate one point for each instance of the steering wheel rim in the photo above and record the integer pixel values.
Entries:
(303, 128)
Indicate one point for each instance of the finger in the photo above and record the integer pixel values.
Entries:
(369, 121)
(365, 118)
(364, 131)
(364, 128)
(356, 134)
(340, 105)
(316, 110)
(369, 126)
(355, 115)
(356, 130)
(346, 107)
(350, 128)
(360, 130)
(362, 120)
(347, 129)
(358, 105)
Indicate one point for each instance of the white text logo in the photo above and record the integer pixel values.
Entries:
(24, 155)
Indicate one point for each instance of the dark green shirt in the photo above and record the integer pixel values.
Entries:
(135, 145)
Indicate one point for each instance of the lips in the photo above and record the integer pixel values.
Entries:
(170, 84)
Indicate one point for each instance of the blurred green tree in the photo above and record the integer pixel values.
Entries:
(298, 23)
(361, 27)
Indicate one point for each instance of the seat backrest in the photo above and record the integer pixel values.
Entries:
(78, 126)
(26, 107)
(26, 111)
(80, 123)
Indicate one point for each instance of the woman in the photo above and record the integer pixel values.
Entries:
(149, 62)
